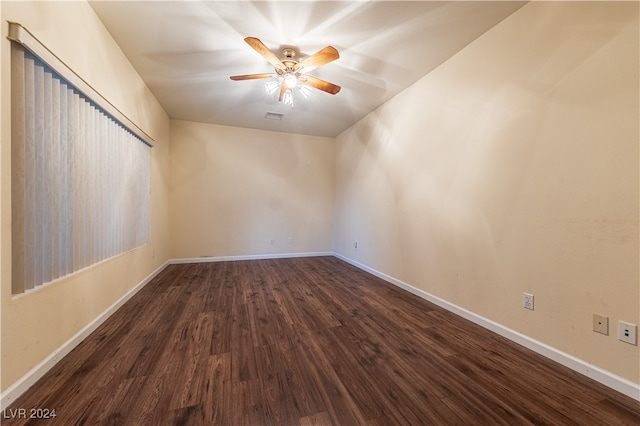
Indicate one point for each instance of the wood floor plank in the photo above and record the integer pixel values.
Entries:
(318, 419)
(301, 376)
(279, 399)
(242, 354)
(217, 390)
(310, 341)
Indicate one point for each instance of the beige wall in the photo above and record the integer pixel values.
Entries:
(37, 323)
(234, 190)
(512, 168)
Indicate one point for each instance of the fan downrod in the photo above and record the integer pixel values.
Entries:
(289, 53)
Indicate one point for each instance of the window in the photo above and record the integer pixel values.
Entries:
(80, 177)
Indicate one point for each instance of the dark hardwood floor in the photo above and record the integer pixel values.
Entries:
(305, 341)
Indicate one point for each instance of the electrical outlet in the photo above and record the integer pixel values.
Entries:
(290, 240)
(527, 301)
(355, 245)
(627, 332)
(601, 324)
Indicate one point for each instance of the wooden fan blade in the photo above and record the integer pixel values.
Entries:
(259, 47)
(251, 76)
(316, 83)
(319, 58)
(283, 89)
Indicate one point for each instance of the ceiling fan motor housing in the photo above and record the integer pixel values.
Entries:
(288, 53)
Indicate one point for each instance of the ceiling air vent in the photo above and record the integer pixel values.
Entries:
(274, 116)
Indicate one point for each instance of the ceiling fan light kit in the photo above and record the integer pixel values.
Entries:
(290, 80)
(290, 73)
(287, 98)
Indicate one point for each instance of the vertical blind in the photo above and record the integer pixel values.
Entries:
(80, 179)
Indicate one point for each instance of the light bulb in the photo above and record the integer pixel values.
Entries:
(290, 80)
(288, 98)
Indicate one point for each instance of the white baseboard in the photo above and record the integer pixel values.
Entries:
(29, 379)
(611, 380)
(249, 257)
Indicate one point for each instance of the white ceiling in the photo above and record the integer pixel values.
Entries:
(185, 51)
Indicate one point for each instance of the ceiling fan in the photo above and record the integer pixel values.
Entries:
(290, 72)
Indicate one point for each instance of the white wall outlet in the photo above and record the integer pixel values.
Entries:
(355, 245)
(290, 240)
(628, 332)
(601, 324)
(527, 301)
(271, 241)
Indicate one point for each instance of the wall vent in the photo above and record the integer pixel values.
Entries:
(273, 116)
